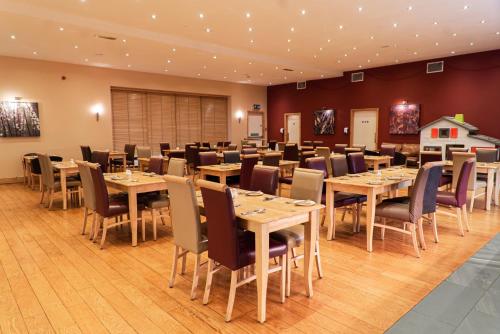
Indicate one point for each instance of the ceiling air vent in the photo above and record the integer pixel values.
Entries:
(301, 84)
(435, 67)
(357, 76)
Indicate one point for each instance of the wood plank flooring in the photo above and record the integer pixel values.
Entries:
(52, 279)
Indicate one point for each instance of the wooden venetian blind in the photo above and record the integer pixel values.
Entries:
(150, 118)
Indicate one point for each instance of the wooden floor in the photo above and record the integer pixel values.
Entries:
(52, 279)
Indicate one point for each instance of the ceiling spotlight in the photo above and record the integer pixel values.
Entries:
(35, 53)
(322, 75)
(251, 41)
(129, 65)
(437, 43)
(345, 54)
(483, 21)
(301, 72)
(174, 49)
(124, 40)
(360, 66)
(377, 54)
(338, 61)
(360, 9)
(201, 15)
(153, 16)
(395, 25)
(320, 49)
(303, 12)
(198, 74)
(214, 57)
(270, 83)
(471, 43)
(328, 40)
(204, 67)
(452, 52)
(284, 78)
(86, 59)
(276, 67)
(454, 34)
(315, 56)
(292, 29)
(76, 46)
(12, 36)
(354, 48)
(169, 61)
(166, 70)
(261, 74)
(247, 15)
(208, 29)
(250, 29)
(341, 27)
(498, 33)
(289, 40)
(372, 37)
(249, 63)
(369, 61)
(234, 71)
(288, 50)
(127, 54)
(466, 7)
(410, 7)
(435, 23)
(397, 60)
(61, 29)
(415, 52)
(416, 35)
(225, 77)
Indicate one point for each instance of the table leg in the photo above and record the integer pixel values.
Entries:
(329, 210)
(124, 159)
(310, 233)
(261, 266)
(132, 208)
(64, 189)
(202, 175)
(375, 165)
(370, 218)
(497, 187)
(489, 188)
(222, 178)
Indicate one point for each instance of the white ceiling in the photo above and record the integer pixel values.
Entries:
(320, 38)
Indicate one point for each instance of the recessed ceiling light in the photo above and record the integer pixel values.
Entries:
(214, 57)
(454, 34)
(165, 70)
(289, 40)
(471, 43)
(452, 52)
(354, 48)
(329, 40)
(395, 25)
(153, 16)
(322, 75)
(301, 72)
(284, 78)
(208, 29)
(360, 9)
(360, 66)
(127, 54)
(466, 7)
(86, 59)
(377, 54)
(315, 56)
(250, 29)
(288, 50)
(435, 23)
(261, 74)
(369, 61)
(371, 37)
(249, 63)
(320, 49)
(341, 27)
(498, 32)
(345, 54)
(251, 41)
(303, 12)
(204, 67)
(483, 21)
(35, 53)
(292, 29)
(415, 52)
(169, 61)
(410, 7)
(397, 60)
(416, 35)
(276, 67)
(247, 15)
(76, 46)
(61, 29)
(129, 65)
(437, 43)
(338, 61)
(124, 40)
(225, 77)
(270, 83)
(198, 74)
(234, 71)
(12, 36)
(174, 49)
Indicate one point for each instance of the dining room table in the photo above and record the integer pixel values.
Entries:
(133, 184)
(65, 169)
(375, 161)
(174, 150)
(490, 169)
(118, 155)
(264, 214)
(371, 184)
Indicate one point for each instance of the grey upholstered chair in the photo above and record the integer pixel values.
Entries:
(189, 234)
(176, 167)
(324, 151)
(486, 154)
(307, 184)
(88, 195)
(144, 152)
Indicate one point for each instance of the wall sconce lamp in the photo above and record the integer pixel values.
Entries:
(239, 115)
(97, 109)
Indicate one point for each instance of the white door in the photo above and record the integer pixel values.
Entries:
(255, 125)
(293, 128)
(364, 131)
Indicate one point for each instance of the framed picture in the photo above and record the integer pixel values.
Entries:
(404, 119)
(19, 119)
(324, 122)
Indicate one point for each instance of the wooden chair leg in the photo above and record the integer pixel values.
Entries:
(421, 234)
(359, 208)
(196, 275)
(85, 217)
(472, 199)
(283, 277)
(232, 294)
(318, 260)
(330, 235)
(155, 218)
(208, 283)
(183, 267)
(343, 214)
(104, 232)
(382, 230)
(294, 255)
(434, 226)
(466, 218)
(92, 229)
(459, 221)
(51, 198)
(173, 273)
(414, 239)
(288, 273)
(43, 193)
(143, 226)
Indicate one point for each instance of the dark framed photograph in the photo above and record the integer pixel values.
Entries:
(19, 119)
(404, 119)
(324, 122)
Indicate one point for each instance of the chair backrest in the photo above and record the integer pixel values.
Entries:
(205, 144)
(389, 150)
(185, 214)
(339, 148)
(307, 184)
(271, 159)
(317, 143)
(176, 154)
(144, 152)
(418, 193)
(208, 158)
(197, 143)
(324, 151)
(458, 159)
(399, 159)
(291, 152)
(191, 154)
(447, 150)
(232, 147)
(164, 147)
(231, 157)
(271, 144)
(265, 179)
(101, 158)
(247, 164)
(130, 150)
(226, 143)
(86, 153)
(224, 245)
(432, 186)
(307, 143)
(47, 170)
(87, 184)
(176, 167)
(339, 165)
(451, 150)
(486, 154)
(55, 158)
(100, 190)
(304, 156)
(156, 165)
(348, 150)
(317, 163)
(281, 146)
(463, 181)
(356, 162)
(250, 150)
(430, 156)
(36, 166)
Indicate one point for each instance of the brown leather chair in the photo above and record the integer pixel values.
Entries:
(101, 158)
(486, 154)
(247, 164)
(177, 155)
(231, 157)
(356, 163)
(271, 144)
(205, 144)
(229, 246)
(86, 153)
(88, 195)
(340, 148)
(271, 159)
(208, 158)
(164, 147)
(265, 179)
(144, 152)
(388, 150)
(408, 213)
(304, 156)
(177, 167)
(291, 152)
(156, 165)
(190, 235)
(249, 150)
(458, 199)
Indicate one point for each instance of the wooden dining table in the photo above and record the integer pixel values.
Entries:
(279, 213)
(118, 155)
(374, 161)
(174, 150)
(65, 169)
(492, 185)
(370, 184)
(138, 183)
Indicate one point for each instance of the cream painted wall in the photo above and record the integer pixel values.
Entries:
(66, 120)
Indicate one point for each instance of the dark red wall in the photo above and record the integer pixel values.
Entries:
(470, 84)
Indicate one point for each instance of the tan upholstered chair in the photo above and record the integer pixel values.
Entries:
(50, 184)
(88, 195)
(307, 184)
(144, 152)
(176, 167)
(324, 151)
(189, 234)
(474, 184)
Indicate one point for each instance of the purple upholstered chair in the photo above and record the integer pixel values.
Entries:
(265, 179)
(247, 165)
(208, 158)
(156, 165)
(249, 150)
(291, 152)
(339, 148)
(164, 147)
(356, 163)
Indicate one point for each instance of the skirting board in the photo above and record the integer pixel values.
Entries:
(11, 180)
